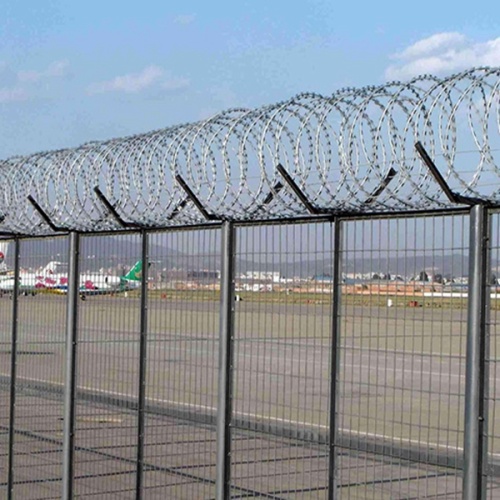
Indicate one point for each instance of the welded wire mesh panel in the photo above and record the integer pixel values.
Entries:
(402, 364)
(492, 401)
(282, 349)
(6, 285)
(182, 363)
(40, 369)
(107, 367)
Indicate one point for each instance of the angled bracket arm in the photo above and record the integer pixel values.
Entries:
(112, 210)
(190, 194)
(270, 197)
(380, 188)
(45, 217)
(177, 209)
(296, 189)
(278, 186)
(5, 233)
(451, 195)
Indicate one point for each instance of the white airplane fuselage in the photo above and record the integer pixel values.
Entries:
(58, 282)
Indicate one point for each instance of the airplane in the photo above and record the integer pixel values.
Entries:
(3, 253)
(49, 279)
(100, 284)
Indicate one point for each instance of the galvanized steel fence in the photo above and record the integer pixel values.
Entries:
(291, 302)
(262, 361)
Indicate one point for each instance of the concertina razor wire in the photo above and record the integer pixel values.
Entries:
(351, 152)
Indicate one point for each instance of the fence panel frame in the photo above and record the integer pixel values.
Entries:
(226, 339)
(475, 441)
(475, 452)
(71, 368)
(13, 367)
(143, 346)
(335, 356)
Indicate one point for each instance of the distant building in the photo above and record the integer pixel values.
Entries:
(203, 275)
(269, 276)
(323, 278)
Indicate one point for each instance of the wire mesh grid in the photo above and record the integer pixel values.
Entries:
(282, 346)
(492, 358)
(182, 365)
(400, 382)
(402, 374)
(37, 445)
(106, 419)
(6, 282)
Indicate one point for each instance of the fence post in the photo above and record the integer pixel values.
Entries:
(478, 302)
(334, 362)
(70, 379)
(226, 333)
(142, 365)
(13, 367)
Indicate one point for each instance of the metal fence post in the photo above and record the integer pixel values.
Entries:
(226, 337)
(335, 354)
(70, 379)
(478, 300)
(13, 366)
(142, 365)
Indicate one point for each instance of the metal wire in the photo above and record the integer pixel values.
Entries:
(148, 396)
(107, 366)
(402, 372)
(492, 360)
(282, 351)
(351, 151)
(399, 393)
(181, 390)
(37, 457)
(8, 347)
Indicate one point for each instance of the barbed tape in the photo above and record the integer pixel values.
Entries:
(353, 151)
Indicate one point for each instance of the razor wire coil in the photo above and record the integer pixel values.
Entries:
(338, 149)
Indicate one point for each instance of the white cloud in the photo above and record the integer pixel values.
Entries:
(432, 44)
(57, 69)
(149, 77)
(443, 53)
(12, 94)
(174, 84)
(8, 77)
(20, 85)
(184, 19)
(133, 82)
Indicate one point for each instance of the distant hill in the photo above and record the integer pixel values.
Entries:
(96, 252)
(408, 265)
(119, 252)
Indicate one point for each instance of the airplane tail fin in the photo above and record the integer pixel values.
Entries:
(135, 274)
(52, 267)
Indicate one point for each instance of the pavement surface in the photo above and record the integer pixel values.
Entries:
(400, 399)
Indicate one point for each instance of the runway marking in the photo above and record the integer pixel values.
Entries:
(403, 370)
(172, 338)
(295, 423)
(322, 361)
(272, 360)
(402, 352)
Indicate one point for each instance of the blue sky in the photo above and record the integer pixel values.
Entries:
(71, 72)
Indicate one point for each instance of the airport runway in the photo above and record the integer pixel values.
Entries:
(401, 383)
